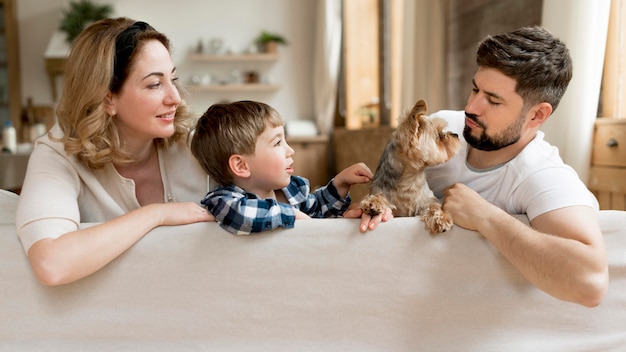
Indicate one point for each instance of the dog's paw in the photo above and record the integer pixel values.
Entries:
(374, 204)
(436, 219)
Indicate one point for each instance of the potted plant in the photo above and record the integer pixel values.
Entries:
(268, 42)
(80, 14)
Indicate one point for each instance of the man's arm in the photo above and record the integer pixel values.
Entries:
(562, 252)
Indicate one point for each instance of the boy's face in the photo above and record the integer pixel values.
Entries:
(271, 166)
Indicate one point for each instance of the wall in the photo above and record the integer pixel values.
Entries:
(469, 21)
(570, 127)
(237, 22)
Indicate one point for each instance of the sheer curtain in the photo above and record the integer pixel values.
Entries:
(423, 57)
(326, 63)
(424, 53)
(583, 26)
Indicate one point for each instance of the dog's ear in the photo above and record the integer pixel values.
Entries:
(419, 108)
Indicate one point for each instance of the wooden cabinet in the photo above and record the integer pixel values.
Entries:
(221, 81)
(10, 87)
(364, 145)
(311, 159)
(608, 163)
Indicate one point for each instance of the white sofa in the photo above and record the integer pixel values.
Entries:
(322, 286)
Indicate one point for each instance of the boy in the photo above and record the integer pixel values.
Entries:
(242, 146)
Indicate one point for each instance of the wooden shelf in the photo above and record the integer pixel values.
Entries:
(251, 87)
(234, 59)
(262, 57)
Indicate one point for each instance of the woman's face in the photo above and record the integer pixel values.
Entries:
(144, 108)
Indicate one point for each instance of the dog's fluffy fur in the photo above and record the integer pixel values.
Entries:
(399, 182)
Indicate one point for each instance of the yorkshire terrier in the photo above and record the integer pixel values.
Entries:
(399, 182)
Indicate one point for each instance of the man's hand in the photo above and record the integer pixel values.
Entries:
(465, 205)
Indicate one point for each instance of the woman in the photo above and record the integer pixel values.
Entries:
(118, 155)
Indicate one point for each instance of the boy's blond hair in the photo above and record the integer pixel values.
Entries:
(228, 129)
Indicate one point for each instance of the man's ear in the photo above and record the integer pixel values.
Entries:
(238, 166)
(540, 114)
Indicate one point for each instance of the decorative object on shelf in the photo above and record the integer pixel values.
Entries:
(9, 138)
(216, 46)
(268, 42)
(195, 79)
(370, 113)
(252, 49)
(36, 120)
(199, 47)
(251, 77)
(236, 77)
(80, 14)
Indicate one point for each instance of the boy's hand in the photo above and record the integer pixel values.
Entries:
(354, 174)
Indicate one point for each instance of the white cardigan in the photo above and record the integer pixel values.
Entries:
(60, 191)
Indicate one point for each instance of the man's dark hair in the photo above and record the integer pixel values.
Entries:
(538, 61)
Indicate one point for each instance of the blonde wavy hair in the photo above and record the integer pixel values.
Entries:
(89, 132)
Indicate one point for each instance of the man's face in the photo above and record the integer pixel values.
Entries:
(495, 116)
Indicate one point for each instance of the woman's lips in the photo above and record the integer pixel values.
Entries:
(168, 116)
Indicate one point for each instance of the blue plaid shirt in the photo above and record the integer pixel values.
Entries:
(242, 212)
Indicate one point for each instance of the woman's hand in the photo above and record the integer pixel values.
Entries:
(181, 213)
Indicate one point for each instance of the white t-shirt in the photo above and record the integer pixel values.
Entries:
(535, 182)
(60, 192)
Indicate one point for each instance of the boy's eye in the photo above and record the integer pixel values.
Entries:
(278, 142)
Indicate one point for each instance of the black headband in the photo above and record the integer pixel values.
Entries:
(125, 44)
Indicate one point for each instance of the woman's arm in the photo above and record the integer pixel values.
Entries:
(77, 254)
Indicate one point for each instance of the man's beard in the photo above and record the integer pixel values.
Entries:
(487, 143)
